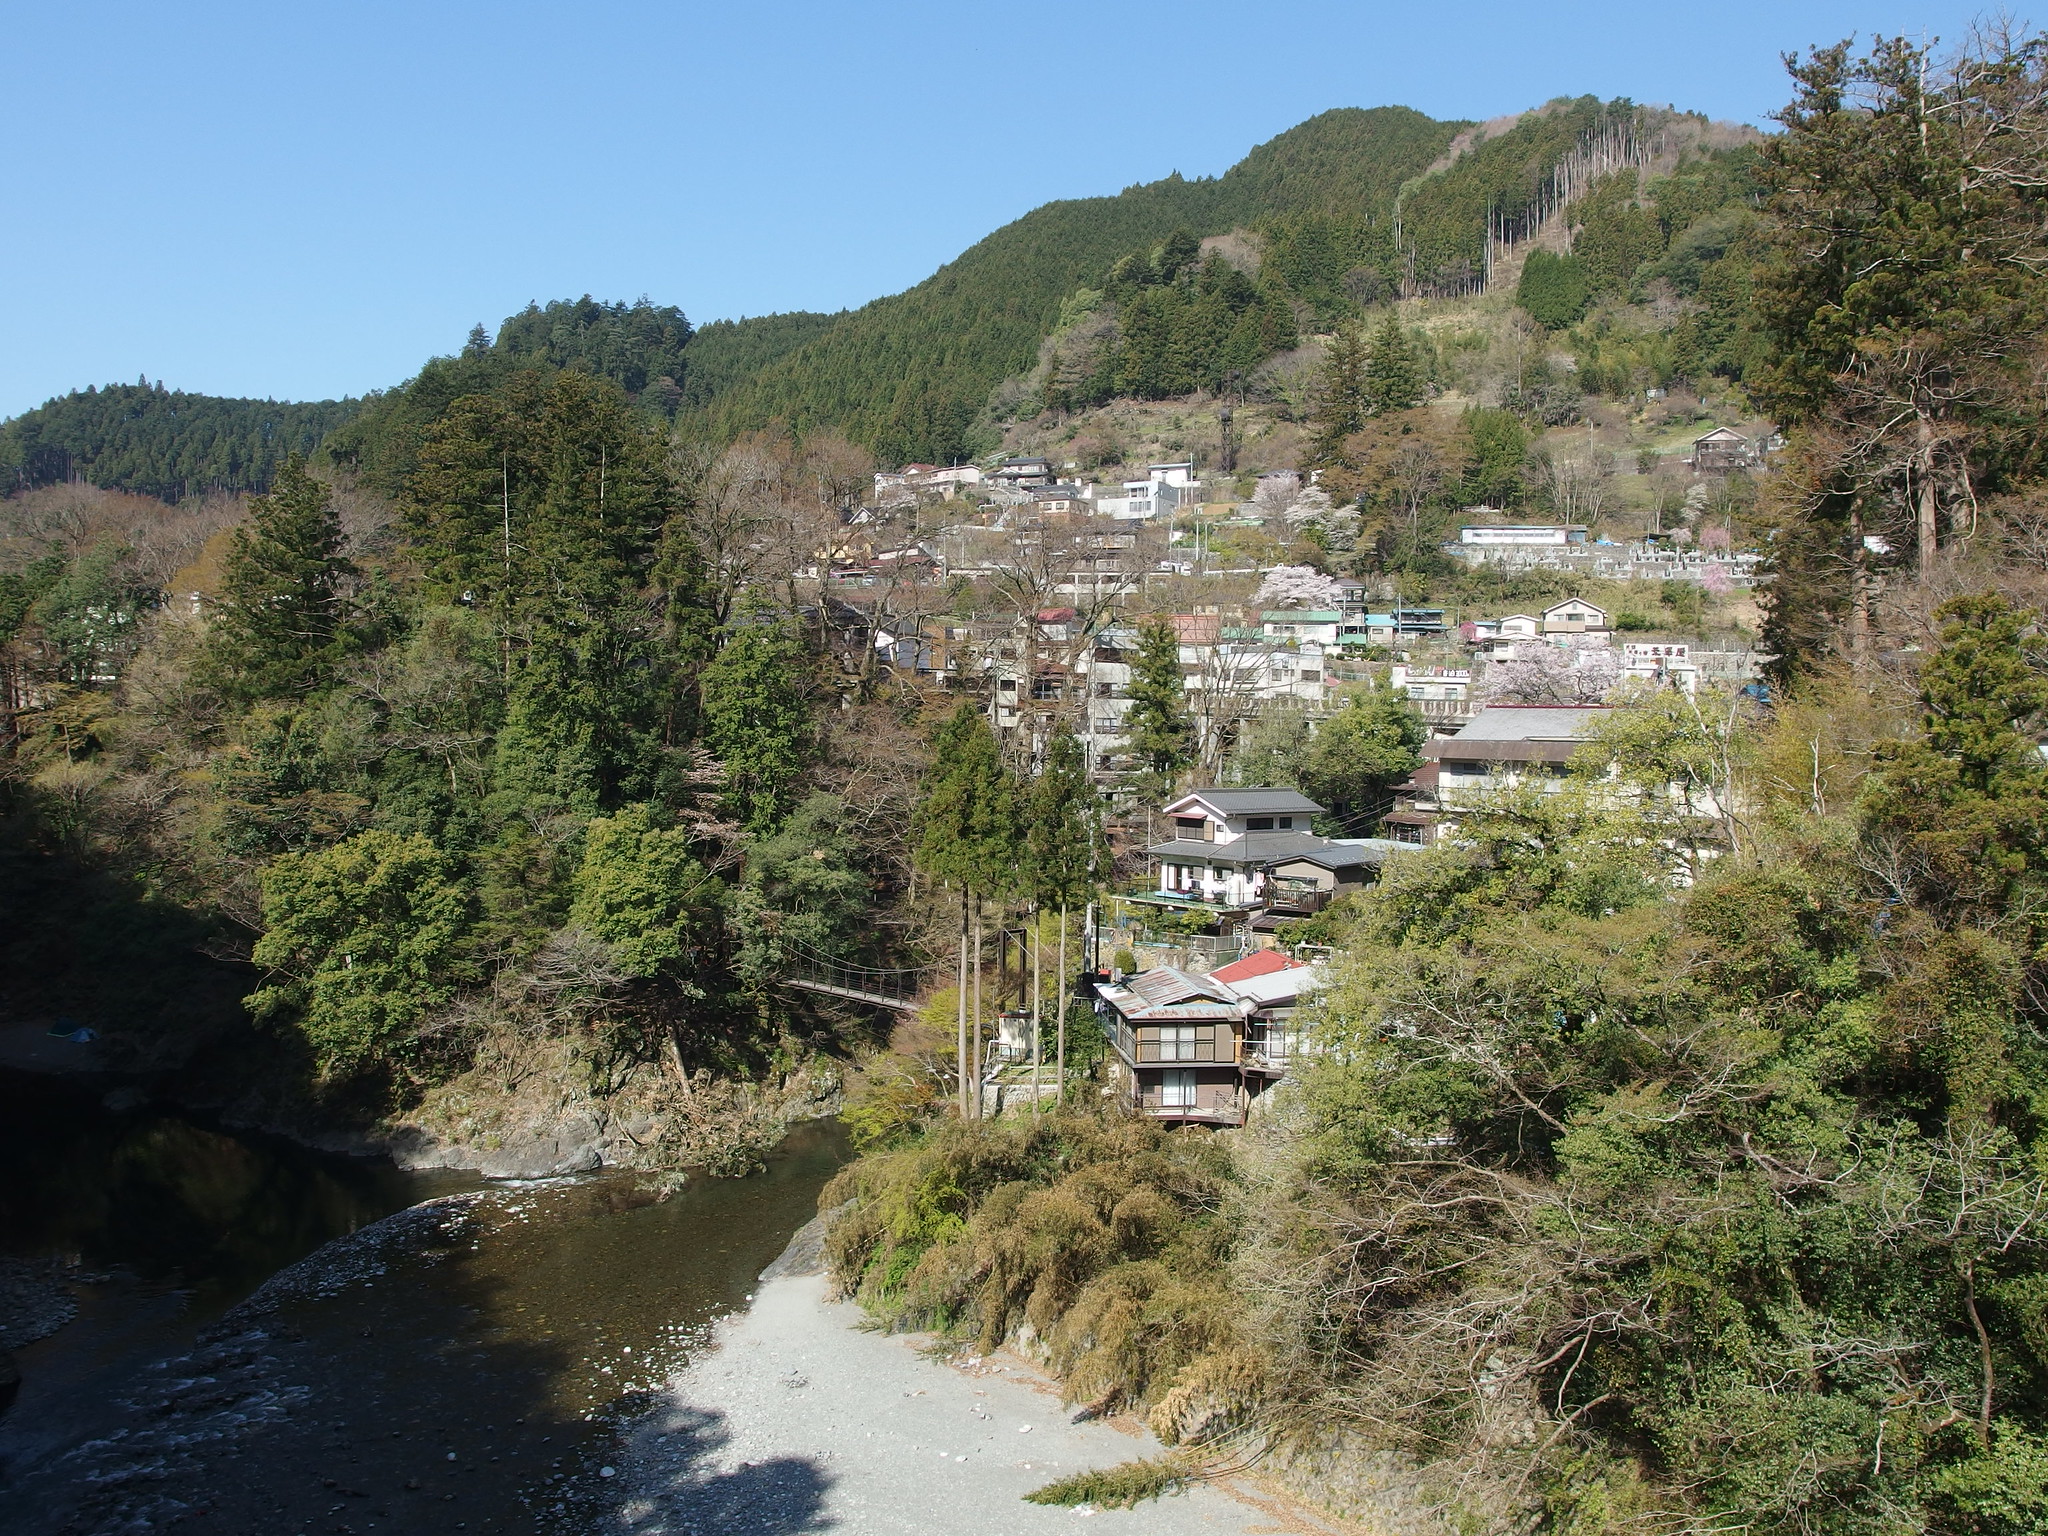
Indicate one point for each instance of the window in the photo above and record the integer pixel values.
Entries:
(1285, 823)
(1177, 1043)
(1258, 824)
(1308, 675)
(1192, 826)
(1007, 684)
(1177, 1090)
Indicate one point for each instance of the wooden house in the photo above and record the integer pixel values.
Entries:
(1200, 1050)
(1574, 616)
(1721, 451)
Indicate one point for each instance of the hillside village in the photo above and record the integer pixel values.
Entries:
(1483, 661)
(1080, 559)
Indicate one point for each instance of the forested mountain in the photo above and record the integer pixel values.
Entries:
(166, 443)
(161, 442)
(908, 374)
(640, 347)
(1342, 212)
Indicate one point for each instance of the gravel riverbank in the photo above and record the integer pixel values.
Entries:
(800, 1420)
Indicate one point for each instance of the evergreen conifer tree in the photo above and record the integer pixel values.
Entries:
(1393, 381)
(1157, 724)
(968, 836)
(281, 621)
(1340, 402)
(758, 723)
(1061, 843)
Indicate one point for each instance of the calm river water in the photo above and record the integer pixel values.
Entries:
(467, 1382)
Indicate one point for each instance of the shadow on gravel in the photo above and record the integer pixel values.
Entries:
(679, 1493)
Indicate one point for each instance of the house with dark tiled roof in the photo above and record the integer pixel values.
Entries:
(1253, 851)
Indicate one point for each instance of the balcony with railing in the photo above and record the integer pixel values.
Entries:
(1269, 1048)
(1198, 1103)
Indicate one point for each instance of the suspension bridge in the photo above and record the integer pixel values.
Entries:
(896, 990)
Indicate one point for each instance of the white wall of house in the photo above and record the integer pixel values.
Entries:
(1225, 884)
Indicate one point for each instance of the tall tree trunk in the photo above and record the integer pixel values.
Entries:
(1059, 1092)
(960, 1002)
(1037, 1008)
(1859, 591)
(1984, 1355)
(1924, 509)
(975, 1092)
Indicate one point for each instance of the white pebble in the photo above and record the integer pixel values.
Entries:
(607, 1471)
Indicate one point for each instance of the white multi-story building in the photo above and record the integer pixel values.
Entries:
(1441, 695)
(1661, 661)
(1165, 489)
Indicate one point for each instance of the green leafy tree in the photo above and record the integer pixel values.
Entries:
(1359, 753)
(1496, 444)
(586, 714)
(20, 591)
(1271, 747)
(162, 442)
(88, 619)
(1616, 234)
(806, 885)
(363, 941)
(1899, 268)
(1063, 846)
(1966, 803)
(281, 623)
(642, 891)
(1157, 724)
(542, 497)
(757, 720)
(1061, 835)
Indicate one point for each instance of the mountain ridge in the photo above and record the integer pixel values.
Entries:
(1351, 200)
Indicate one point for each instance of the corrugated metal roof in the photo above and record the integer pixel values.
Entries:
(1169, 984)
(1531, 722)
(1257, 963)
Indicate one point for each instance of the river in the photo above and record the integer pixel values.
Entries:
(460, 1368)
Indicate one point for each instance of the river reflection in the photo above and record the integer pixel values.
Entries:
(170, 1200)
(468, 1384)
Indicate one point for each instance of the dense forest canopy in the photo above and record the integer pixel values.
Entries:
(909, 375)
(161, 442)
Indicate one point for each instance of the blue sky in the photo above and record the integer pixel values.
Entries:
(307, 200)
